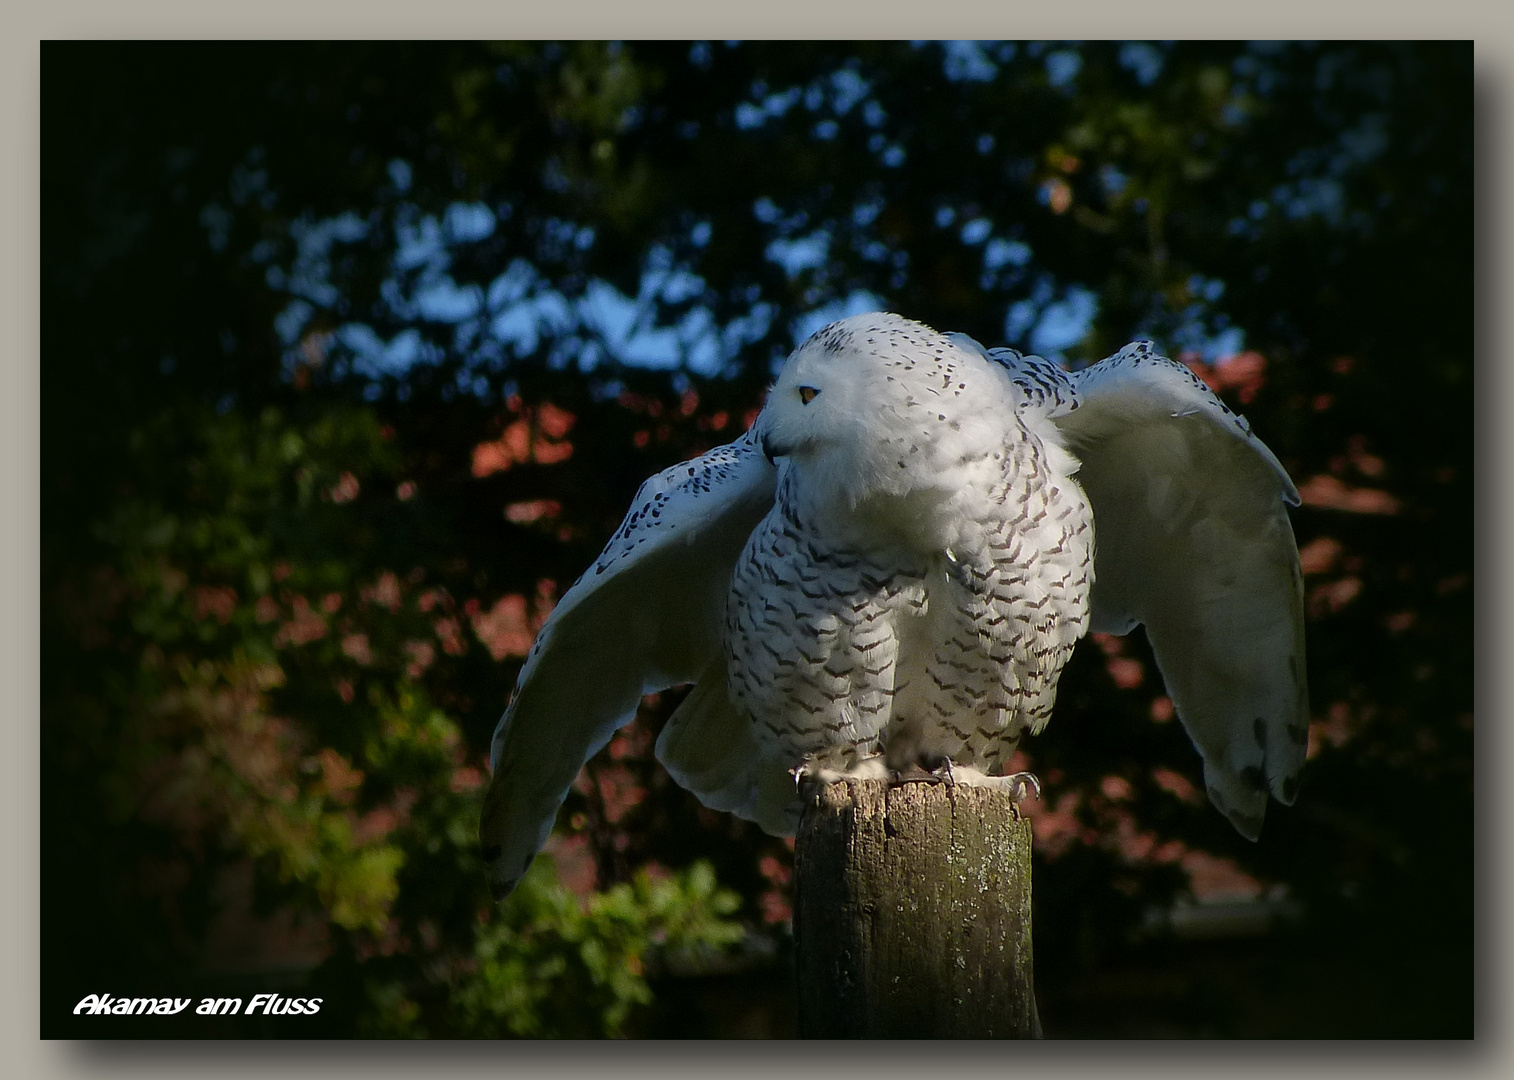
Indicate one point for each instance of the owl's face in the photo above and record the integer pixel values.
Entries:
(877, 404)
(812, 409)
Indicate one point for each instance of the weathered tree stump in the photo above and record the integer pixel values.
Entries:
(912, 914)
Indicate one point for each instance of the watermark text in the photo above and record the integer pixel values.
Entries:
(259, 1005)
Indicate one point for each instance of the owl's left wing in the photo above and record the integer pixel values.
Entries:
(1193, 541)
(647, 615)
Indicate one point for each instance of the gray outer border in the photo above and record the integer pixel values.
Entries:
(1487, 22)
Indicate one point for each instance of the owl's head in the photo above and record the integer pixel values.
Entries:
(879, 404)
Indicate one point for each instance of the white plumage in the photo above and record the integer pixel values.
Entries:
(890, 569)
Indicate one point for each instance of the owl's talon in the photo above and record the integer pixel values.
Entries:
(1016, 785)
(1019, 785)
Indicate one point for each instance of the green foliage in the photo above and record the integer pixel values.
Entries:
(246, 519)
(551, 965)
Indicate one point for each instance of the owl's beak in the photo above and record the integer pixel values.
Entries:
(771, 450)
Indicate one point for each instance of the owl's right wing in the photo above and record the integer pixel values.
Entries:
(647, 615)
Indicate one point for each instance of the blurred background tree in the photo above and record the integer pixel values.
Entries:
(353, 356)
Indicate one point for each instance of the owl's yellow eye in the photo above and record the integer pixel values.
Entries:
(807, 394)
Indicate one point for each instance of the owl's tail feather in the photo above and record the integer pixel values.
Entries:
(708, 748)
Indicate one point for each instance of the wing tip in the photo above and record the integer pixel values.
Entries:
(501, 883)
(1241, 797)
(1285, 788)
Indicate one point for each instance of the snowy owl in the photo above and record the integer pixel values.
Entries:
(885, 576)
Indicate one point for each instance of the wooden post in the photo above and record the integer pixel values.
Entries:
(912, 913)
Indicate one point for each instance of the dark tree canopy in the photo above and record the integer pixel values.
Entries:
(354, 354)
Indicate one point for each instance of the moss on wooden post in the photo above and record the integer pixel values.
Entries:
(912, 913)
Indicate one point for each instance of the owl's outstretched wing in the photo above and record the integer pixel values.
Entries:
(646, 615)
(1193, 541)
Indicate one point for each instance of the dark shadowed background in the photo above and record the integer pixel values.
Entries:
(353, 356)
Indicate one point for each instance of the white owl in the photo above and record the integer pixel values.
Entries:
(886, 574)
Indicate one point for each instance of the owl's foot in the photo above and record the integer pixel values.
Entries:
(1016, 785)
(813, 773)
